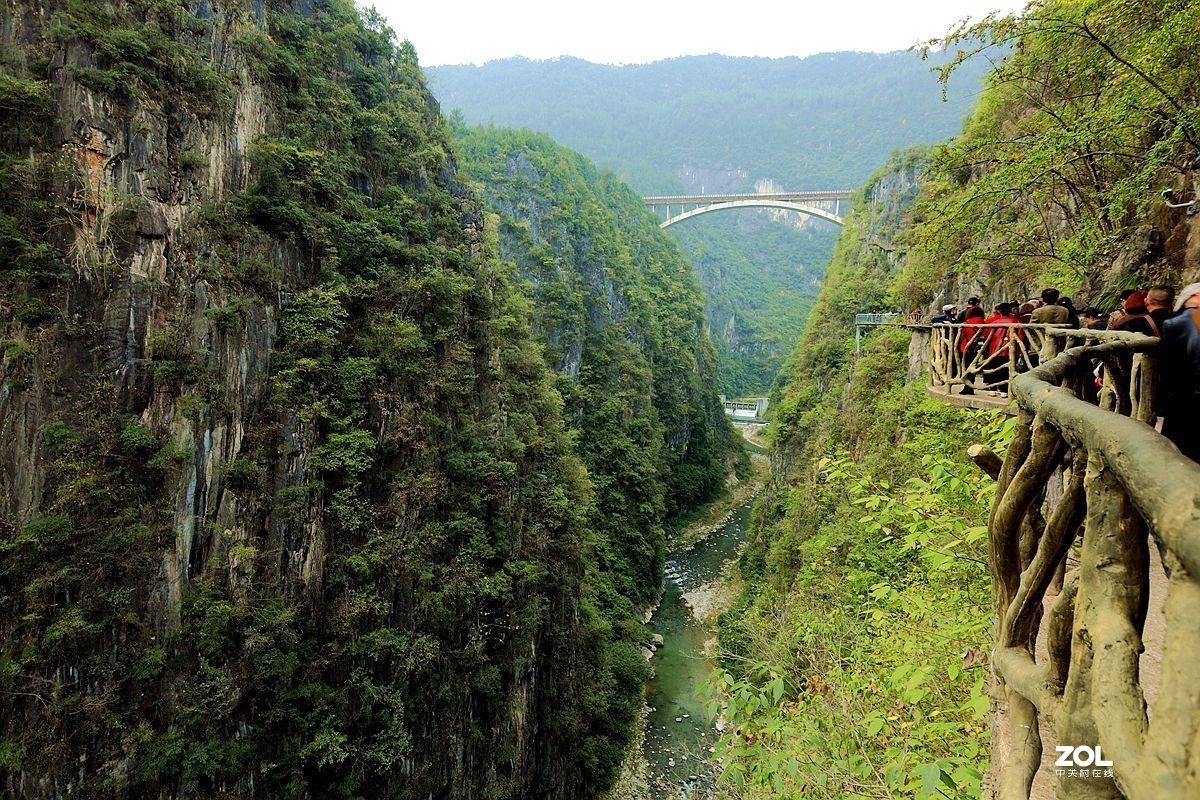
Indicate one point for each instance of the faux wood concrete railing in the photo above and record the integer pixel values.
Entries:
(1124, 484)
(959, 357)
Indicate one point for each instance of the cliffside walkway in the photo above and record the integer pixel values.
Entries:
(975, 378)
(1094, 549)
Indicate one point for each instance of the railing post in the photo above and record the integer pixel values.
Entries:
(1012, 358)
(1106, 560)
(1124, 482)
(1050, 348)
(1143, 384)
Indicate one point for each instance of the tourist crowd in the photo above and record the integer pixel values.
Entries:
(1158, 311)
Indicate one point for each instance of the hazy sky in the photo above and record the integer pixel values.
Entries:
(637, 31)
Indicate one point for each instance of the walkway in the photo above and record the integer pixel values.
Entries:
(1094, 539)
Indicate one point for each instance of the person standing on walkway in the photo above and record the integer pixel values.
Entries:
(1179, 373)
(1135, 317)
(972, 304)
(947, 315)
(1072, 314)
(1050, 312)
(998, 337)
(1159, 302)
(971, 341)
(1095, 319)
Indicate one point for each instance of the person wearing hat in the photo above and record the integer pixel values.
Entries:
(968, 312)
(947, 315)
(1179, 373)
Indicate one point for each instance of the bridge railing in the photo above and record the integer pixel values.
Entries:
(1122, 483)
(874, 318)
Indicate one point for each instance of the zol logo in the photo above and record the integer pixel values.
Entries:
(1081, 756)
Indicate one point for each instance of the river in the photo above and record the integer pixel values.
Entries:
(679, 733)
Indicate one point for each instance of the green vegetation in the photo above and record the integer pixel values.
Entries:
(855, 657)
(307, 510)
(865, 262)
(1080, 127)
(621, 315)
(760, 279)
(146, 46)
(853, 660)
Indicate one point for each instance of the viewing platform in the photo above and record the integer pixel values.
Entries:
(974, 373)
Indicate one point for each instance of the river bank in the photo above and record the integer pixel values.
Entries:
(720, 511)
(668, 757)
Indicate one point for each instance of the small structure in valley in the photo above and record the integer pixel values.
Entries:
(750, 410)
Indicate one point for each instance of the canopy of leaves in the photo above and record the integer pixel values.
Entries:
(1090, 115)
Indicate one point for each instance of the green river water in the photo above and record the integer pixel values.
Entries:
(679, 732)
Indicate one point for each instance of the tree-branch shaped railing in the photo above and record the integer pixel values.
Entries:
(1124, 483)
(960, 355)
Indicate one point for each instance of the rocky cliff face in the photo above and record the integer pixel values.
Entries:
(619, 308)
(288, 508)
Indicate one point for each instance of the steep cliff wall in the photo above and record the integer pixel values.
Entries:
(1057, 178)
(289, 509)
(622, 315)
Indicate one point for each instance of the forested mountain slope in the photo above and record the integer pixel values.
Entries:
(622, 316)
(759, 276)
(290, 508)
(859, 649)
(719, 124)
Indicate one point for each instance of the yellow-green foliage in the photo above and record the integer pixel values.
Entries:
(851, 667)
(852, 661)
(1088, 117)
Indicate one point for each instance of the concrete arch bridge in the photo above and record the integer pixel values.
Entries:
(822, 205)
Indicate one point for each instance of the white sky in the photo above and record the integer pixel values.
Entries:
(638, 31)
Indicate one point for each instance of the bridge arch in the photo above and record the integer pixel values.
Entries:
(786, 205)
(815, 204)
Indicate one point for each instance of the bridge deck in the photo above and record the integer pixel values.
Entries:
(731, 198)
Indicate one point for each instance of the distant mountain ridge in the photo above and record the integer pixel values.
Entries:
(824, 121)
(708, 124)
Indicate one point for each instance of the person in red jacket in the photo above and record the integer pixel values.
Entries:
(971, 334)
(998, 338)
(971, 339)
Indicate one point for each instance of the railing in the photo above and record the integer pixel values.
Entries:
(963, 356)
(1122, 482)
(881, 319)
